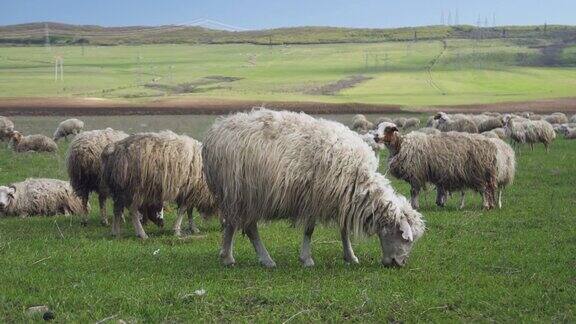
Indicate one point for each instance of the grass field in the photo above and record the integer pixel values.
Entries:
(406, 73)
(511, 265)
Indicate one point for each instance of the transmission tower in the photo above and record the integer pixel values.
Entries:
(47, 37)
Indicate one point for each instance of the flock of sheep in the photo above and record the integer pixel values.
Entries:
(267, 165)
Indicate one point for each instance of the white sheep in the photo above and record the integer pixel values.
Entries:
(149, 169)
(68, 127)
(529, 131)
(268, 165)
(452, 161)
(42, 197)
(32, 143)
(6, 128)
(457, 123)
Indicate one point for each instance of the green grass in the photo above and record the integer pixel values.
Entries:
(468, 71)
(511, 265)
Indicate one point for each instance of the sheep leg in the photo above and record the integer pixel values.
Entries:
(349, 256)
(178, 223)
(117, 220)
(226, 253)
(500, 198)
(84, 199)
(462, 199)
(103, 214)
(440, 196)
(252, 233)
(414, 193)
(305, 251)
(192, 228)
(135, 215)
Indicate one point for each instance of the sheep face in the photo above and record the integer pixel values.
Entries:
(441, 117)
(396, 242)
(390, 138)
(6, 197)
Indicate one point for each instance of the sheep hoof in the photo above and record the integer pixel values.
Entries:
(268, 263)
(307, 262)
(228, 262)
(352, 260)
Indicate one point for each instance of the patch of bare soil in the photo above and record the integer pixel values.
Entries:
(192, 86)
(193, 106)
(333, 88)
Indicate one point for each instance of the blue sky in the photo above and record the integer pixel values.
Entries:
(256, 14)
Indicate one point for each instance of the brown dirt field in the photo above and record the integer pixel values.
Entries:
(187, 106)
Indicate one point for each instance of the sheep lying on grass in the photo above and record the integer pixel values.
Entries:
(267, 165)
(455, 123)
(568, 132)
(529, 131)
(556, 118)
(452, 161)
(42, 197)
(148, 169)
(6, 128)
(360, 124)
(68, 127)
(85, 168)
(32, 143)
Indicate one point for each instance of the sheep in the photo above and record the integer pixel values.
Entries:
(448, 123)
(266, 165)
(382, 120)
(6, 128)
(500, 131)
(489, 124)
(556, 118)
(506, 168)
(568, 132)
(451, 161)
(68, 127)
(529, 131)
(573, 119)
(34, 143)
(84, 165)
(432, 122)
(43, 197)
(490, 134)
(428, 131)
(148, 169)
(400, 121)
(412, 122)
(360, 124)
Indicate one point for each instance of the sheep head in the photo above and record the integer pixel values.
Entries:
(441, 117)
(396, 242)
(6, 196)
(16, 136)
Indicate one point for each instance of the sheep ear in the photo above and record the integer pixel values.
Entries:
(11, 191)
(406, 231)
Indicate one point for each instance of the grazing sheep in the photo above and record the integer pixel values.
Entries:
(267, 165)
(506, 168)
(412, 122)
(148, 169)
(85, 167)
(382, 120)
(43, 197)
(448, 123)
(360, 124)
(489, 124)
(428, 131)
(568, 132)
(34, 143)
(6, 128)
(490, 134)
(556, 118)
(68, 127)
(529, 131)
(400, 121)
(452, 161)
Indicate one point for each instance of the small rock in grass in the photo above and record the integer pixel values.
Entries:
(48, 316)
